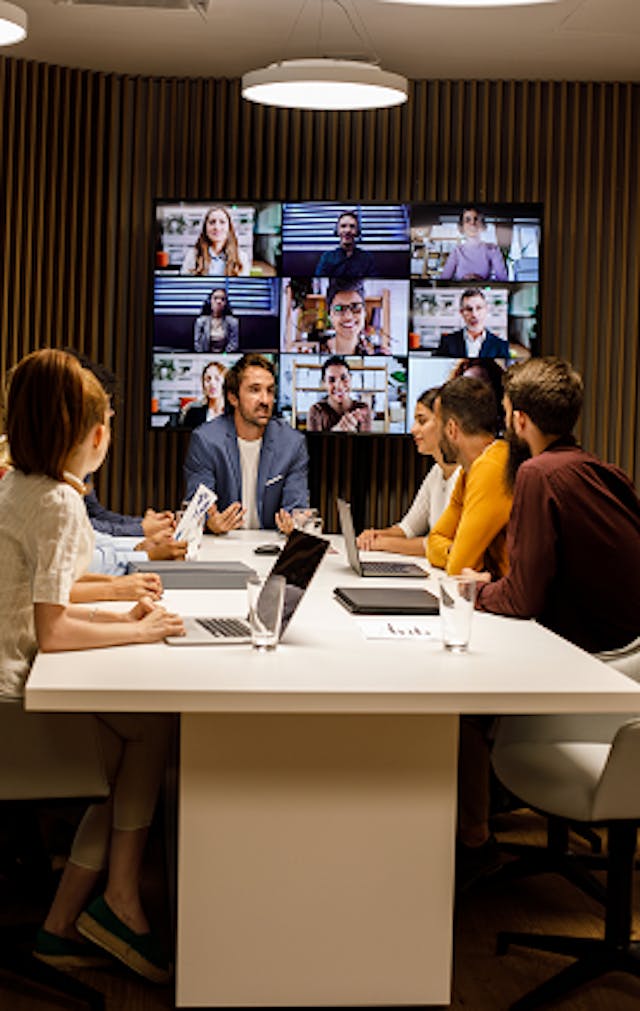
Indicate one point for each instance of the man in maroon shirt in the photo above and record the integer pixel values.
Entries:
(573, 538)
(573, 542)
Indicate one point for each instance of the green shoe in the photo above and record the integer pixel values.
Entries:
(141, 952)
(64, 953)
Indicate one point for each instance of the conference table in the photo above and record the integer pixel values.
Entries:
(317, 782)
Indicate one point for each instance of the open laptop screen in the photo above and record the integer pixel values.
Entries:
(298, 562)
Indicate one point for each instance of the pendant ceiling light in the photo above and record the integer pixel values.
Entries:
(471, 3)
(325, 82)
(13, 24)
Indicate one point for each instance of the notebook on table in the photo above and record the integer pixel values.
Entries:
(374, 600)
(198, 575)
(383, 568)
(297, 562)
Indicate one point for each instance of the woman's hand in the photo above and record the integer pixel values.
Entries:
(154, 623)
(349, 421)
(365, 540)
(136, 586)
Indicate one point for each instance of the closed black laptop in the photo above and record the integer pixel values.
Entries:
(378, 600)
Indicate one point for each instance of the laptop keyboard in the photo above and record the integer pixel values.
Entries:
(389, 568)
(225, 628)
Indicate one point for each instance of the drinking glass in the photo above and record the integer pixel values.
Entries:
(457, 599)
(266, 600)
(307, 520)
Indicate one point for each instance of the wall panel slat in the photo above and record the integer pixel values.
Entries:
(83, 156)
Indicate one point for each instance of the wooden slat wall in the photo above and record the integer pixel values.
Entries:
(83, 154)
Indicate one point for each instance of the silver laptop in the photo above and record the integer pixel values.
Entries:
(297, 562)
(408, 569)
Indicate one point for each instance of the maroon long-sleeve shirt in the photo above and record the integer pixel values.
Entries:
(574, 550)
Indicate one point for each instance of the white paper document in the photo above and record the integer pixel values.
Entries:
(396, 628)
(190, 526)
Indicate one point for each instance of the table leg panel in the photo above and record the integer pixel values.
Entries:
(315, 859)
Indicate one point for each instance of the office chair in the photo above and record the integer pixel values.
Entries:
(558, 856)
(44, 757)
(581, 769)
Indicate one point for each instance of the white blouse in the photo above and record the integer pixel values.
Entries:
(47, 542)
(430, 502)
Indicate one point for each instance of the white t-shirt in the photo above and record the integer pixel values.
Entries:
(249, 462)
(430, 502)
(47, 542)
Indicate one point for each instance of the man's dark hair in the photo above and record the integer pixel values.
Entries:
(349, 214)
(334, 360)
(549, 390)
(234, 375)
(472, 403)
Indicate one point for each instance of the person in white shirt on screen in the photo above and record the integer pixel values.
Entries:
(215, 252)
(473, 340)
(408, 536)
(256, 464)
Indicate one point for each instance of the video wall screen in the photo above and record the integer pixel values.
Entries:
(360, 306)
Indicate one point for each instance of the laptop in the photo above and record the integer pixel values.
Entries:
(398, 600)
(407, 569)
(297, 562)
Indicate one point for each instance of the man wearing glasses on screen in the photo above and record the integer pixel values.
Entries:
(347, 260)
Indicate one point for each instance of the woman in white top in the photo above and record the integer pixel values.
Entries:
(58, 427)
(408, 536)
(216, 252)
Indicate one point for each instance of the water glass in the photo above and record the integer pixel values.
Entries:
(457, 599)
(307, 520)
(266, 601)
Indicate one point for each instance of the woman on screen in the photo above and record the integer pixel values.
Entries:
(348, 318)
(338, 411)
(58, 426)
(474, 259)
(216, 252)
(216, 328)
(212, 403)
(408, 536)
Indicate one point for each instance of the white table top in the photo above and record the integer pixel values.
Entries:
(325, 664)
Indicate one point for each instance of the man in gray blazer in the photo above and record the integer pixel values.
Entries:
(256, 464)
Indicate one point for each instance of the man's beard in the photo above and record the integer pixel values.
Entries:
(448, 450)
(518, 452)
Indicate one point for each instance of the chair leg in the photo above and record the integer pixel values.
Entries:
(556, 858)
(595, 956)
(559, 985)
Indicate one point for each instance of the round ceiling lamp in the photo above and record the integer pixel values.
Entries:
(471, 3)
(13, 24)
(324, 84)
